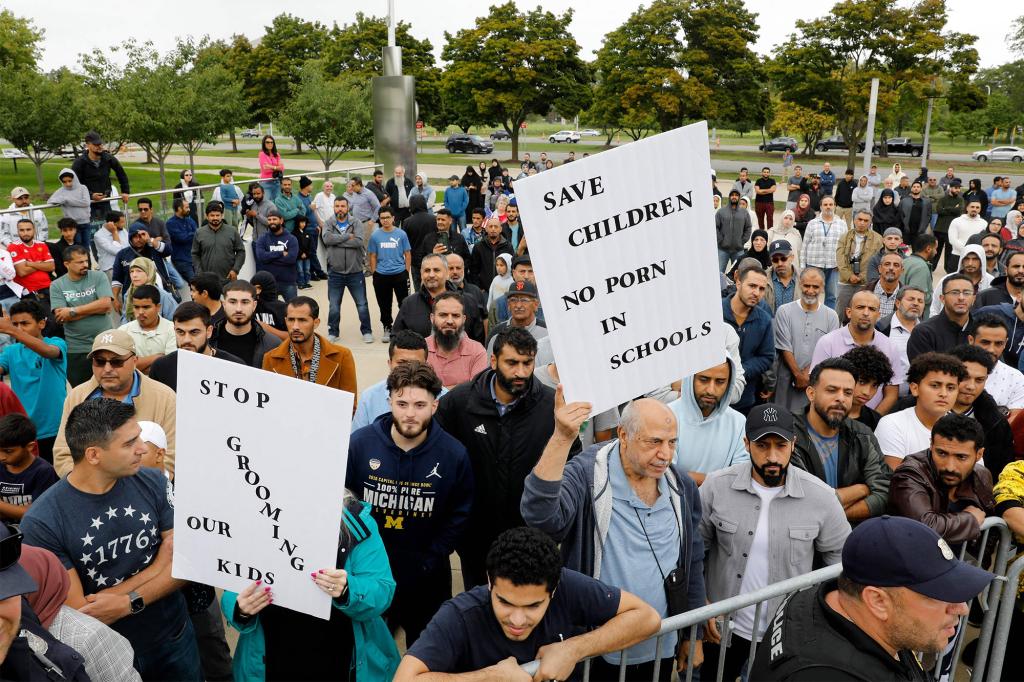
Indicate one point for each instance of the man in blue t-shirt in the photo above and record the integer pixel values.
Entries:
(111, 524)
(38, 366)
(520, 616)
(390, 257)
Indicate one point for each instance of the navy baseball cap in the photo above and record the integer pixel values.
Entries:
(14, 579)
(892, 551)
(769, 419)
(780, 246)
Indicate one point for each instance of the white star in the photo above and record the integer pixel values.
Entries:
(144, 518)
(87, 539)
(152, 531)
(96, 523)
(149, 557)
(86, 558)
(102, 580)
(91, 572)
(129, 511)
(111, 513)
(118, 582)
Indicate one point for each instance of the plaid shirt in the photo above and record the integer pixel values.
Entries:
(887, 303)
(821, 240)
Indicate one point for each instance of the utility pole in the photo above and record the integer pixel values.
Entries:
(869, 140)
(927, 132)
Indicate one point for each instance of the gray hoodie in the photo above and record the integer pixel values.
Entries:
(75, 201)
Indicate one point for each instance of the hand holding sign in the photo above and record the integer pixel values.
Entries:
(569, 418)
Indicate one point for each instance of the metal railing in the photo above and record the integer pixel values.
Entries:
(1000, 636)
(989, 599)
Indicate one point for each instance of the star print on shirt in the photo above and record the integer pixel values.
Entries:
(102, 580)
(118, 582)
(91, 573)
(152, 531)
(87, 540)
(144, 518)
(96, 523)
(129, 511)
(149, 557)
(86, 558)
(111, 513)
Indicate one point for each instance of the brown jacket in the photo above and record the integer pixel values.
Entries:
(155, 403)
(337, 368)
(915, 492)
(844, 252)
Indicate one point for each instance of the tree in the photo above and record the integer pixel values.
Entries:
(40, 114)
(513, 64)
(810, 125)
(214, 100)
(968, 125)
(332, 116)
(274, 64)
(19, 41)
(1007, 79)
(1015, 38)
(828, 63)
(235, 59)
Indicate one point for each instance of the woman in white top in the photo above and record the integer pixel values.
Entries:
(786, 229)
(323, 204)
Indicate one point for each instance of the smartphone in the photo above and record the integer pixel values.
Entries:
(442, 238)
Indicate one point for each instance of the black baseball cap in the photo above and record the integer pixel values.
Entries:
(893, 551)
(769, 419)
(14, 580)
(92, 137)
(780, 246)
(523, 288)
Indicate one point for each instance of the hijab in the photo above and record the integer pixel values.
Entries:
(762, 255)
(147, 266)
(882, 215)
(52, 578)
(1012, 223)
(500, 284)
(803, 215)
(470, 177)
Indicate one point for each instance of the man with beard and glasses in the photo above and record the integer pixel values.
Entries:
(1005, 288)
(972, 266)
(237, 333)
(192, 332)
(902, 590)
(949, 327)
(418, 482)
(750, 511)
(306, 355)
(1005, 383)
(798, 326)
(523, 302)
(910, 305)
(860, 331)
(504, 418)
(450, 352)
(838, 450)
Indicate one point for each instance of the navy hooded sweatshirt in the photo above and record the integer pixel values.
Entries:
(420, 499)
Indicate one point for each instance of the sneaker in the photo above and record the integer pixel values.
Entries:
(367, 338)
(386, 337)
(332, 339)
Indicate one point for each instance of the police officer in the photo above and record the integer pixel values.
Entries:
(901, 590)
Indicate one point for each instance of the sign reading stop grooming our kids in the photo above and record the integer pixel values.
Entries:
(624, 247)
(255, 498)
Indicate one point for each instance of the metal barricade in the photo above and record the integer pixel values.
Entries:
(1001, 632)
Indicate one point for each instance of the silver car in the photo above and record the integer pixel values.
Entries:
(1015, 154)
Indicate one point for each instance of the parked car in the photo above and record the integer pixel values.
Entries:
(250, 132)
(589, 132)
(836, 142)
(779, 144)
(500, 135)
(899, 145)
(565, 136)
(1015, 154)
(473, 144)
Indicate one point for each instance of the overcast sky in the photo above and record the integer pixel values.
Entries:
(75, 27)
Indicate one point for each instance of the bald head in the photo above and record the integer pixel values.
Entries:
(647, 440)
(643, 413)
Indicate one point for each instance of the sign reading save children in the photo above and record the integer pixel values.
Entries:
(624, 247)
(256, 498)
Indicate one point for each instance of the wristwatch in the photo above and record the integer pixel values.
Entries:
(136, 601)
(73, 313)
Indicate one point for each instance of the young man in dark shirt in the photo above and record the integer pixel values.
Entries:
(192, 331)
(530, 608)
(239, 334)
(764, 199)
(871, 370)
(24, 476)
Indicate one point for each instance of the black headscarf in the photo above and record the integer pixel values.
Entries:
(760, 256)
(883, 216)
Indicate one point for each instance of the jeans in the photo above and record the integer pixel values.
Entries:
(461, 220)
(386, 286)
(184, 269)
(725, 256)
(831, 281)
(83, 235)
(302, 265)
(271, 188)
(314, 261)
(288, 290)
(174, 660)
(336, 284)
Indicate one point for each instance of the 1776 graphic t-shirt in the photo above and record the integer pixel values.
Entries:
(109, 538)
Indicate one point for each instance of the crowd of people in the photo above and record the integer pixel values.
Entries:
(859, 416)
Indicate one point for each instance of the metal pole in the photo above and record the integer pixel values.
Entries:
(391, 23)
(927, 132)
(869, 139)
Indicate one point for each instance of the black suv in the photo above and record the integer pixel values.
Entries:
(500, 135)
(473, 144)
(836, 142)
(779, 144)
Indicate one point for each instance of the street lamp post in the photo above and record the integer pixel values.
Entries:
(394, 108)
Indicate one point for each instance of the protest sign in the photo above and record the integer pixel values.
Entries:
(258, 497)
(623, 244)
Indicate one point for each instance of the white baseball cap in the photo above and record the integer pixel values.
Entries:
(153, 433)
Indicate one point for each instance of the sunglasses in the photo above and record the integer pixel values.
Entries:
(10, 548)
(779, 259)
(116, 363)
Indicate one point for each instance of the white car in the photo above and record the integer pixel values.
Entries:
(564, 136)
(590, 132)
(1015, 154)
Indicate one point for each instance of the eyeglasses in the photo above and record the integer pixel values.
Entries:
(965, 293)
(10, 548)
(116, 363)
(780, 259)
(521, 299)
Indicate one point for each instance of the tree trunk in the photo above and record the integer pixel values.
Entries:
(515, 141)
(851, 157)
(161, 159)
(192, 160)
(298, 146)
(149, 156)
(234, 142)
(609, 137)
(39, 173)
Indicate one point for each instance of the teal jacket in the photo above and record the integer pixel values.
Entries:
(290, 207)
(370, 589)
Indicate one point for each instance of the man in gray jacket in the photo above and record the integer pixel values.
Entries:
(217, 247)
(763, 521)
(733, 226)
(624, 514)
(346, 257)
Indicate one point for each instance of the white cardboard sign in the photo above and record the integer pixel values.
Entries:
(257, 496)
(623, 244)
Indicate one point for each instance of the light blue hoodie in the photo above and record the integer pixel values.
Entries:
(707, 445)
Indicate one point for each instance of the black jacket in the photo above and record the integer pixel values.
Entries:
(456, 244)
(25, 666)
(264, 342)
(392, 189)
(414, 314)
(844, 193)
(502, 450)
(418, 225)
(860, 460)
(480, 267)
(995, 294)
(96, 177)
(936, 334)
(807, 640)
